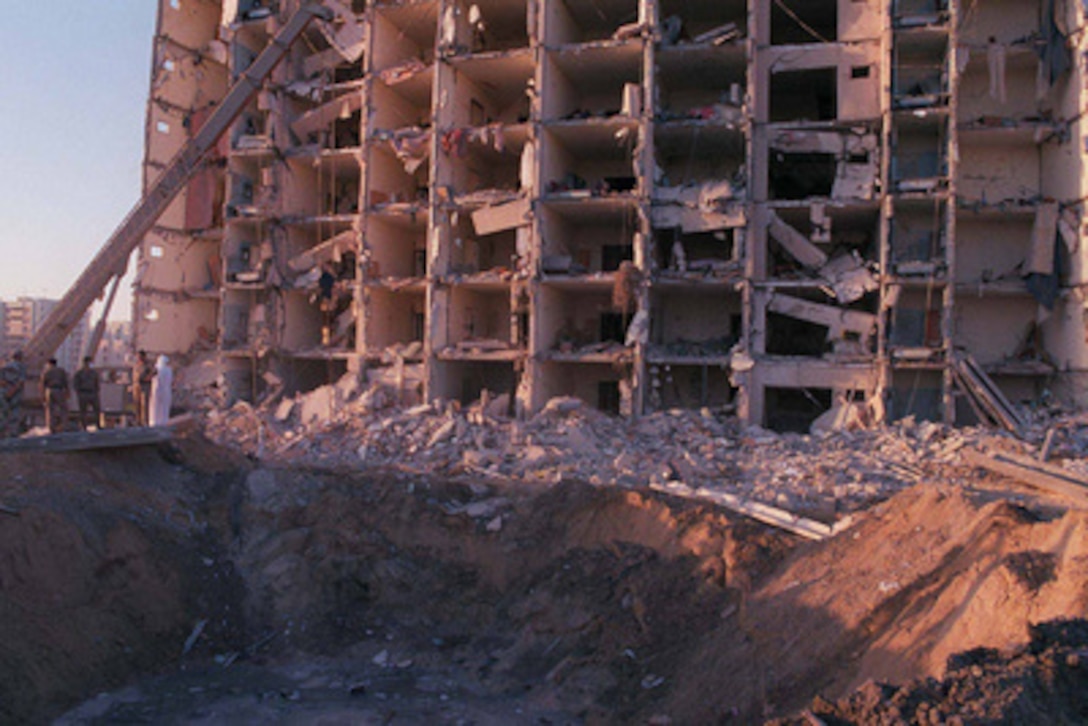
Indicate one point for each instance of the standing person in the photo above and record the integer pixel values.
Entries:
(54, 389)
(161, 393)
(12, 381)
(326, 286)
(142, 375)
(87, 388)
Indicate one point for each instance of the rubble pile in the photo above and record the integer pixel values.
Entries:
(822, 475)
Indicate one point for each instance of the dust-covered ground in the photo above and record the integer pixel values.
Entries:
(187, 585)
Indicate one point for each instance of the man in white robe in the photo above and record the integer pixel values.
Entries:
(161, 392)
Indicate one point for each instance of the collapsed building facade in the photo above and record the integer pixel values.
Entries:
(772, 207)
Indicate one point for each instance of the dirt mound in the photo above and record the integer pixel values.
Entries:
(104, 557)
(926, 575)
(293, 593)
(1043, 682)
(578, 599)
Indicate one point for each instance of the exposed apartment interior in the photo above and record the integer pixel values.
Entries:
(775, 209)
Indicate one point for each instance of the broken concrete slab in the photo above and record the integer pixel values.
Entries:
(490, 220)
(323, 116)
(796, 244)
(837, 320)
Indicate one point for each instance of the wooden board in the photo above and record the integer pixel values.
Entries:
(1033, 473)
(88, 440)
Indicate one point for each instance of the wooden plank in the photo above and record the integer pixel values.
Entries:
(1063, 484)
(980, 402)
(88, 441)
(988, 395)
(801, 526)
(994, 391)
(1045, 468)
(957, 379)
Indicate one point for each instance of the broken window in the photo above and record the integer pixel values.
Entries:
(794, 409)
(404, 33)
(485, 162)
(466, 381)
(806, 95)
(577, 21)
(710, 254)
(302, 375)
(590, 161)
(491, 90)
(688, 155)
(484, 26)
(687, 322)
(797, 22)
(612, 256)
(675, 385)
(391, 183)
(915, 13)
(798, 176)
(591, 82)
(471, 253)
(479, 318)
(613, 327)
(919, 161)
(243, 58)
(404, 104)
(395, 246)
(327, 186)
(703, 84)
(393, 317)
(920, 76)
(812, 243)
(809, 322)
(580, 239)
(608, 397)
(686, 20)
(577, 320)
(916, 325)
(789, 336)
(916, 393)
(254, 9)
(583, 380)
(917, 238)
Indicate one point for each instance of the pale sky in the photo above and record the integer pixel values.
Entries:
(73, 96)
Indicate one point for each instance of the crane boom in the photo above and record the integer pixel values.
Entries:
(112, 259)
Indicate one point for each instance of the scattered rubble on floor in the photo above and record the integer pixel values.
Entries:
(824, 476)
(1044, 681)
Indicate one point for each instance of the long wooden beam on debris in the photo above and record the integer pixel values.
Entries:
(1031, 472)
(808, 528)
(88, 440)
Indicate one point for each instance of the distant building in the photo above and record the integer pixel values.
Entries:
(115, 348)
(21, 319)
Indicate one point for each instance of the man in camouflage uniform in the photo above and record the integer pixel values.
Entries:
(54, 390)
(12, 380)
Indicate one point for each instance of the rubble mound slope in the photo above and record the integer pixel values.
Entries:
(569, 601)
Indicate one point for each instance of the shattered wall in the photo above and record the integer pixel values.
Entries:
(765, 207)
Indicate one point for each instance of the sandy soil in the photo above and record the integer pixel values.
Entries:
(188, 586)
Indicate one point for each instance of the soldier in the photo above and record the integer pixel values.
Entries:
(87, 393)
(142, 375)
(12, 380)
(54, 390)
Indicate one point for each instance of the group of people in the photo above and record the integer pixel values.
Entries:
(151, 393)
